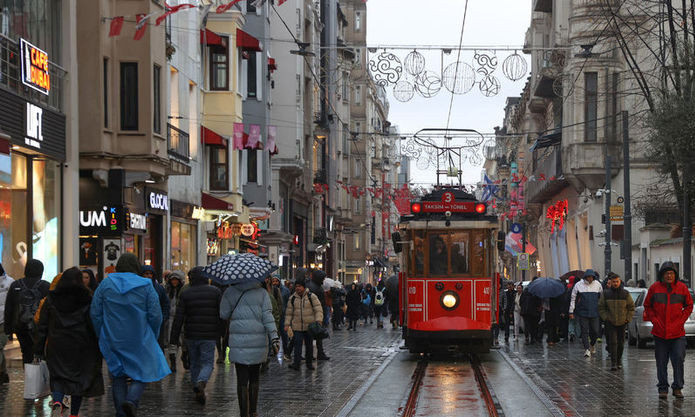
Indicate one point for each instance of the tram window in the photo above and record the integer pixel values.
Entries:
(459, 253)
(478, 252)
(438, 254)
(419, 253)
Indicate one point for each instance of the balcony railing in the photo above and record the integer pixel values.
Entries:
(11, 73)
(178, 143)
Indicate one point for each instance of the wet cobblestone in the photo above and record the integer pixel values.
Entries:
(284, 392)
(587, 387)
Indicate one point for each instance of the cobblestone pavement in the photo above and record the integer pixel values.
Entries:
(587, 387)
(284, 392)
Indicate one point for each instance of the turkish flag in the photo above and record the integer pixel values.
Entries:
(172, 10)
(140, 27)
(116, 26)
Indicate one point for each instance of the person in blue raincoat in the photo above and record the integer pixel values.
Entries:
(127, 318)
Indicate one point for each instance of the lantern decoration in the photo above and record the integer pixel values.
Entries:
(557, 213)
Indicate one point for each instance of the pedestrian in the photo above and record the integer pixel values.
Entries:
(285, 293)
(65, 337)
(531, 307)
(5, 283)
(90, 281)
(379, 303)
(554, 317)
(584, 305)
(223, 338)
(174, 285)
(22, 302)
(149, 272)
(127, 318)
(276, 302)
(518, 319)
(616, 308)
(573, 330)
(353, 299)
(366, 295)
(249, 310)
(509, 297)
(499, 320)
(392, 297)
(303, 309)
(199, 310)
(315, 286)
(668, 305)
(339, 307)
(641, 283)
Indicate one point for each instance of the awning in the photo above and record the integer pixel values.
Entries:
(271, 64)
(247, 42)
(209, 37)
(211, 138)
(547, 141)
(213, 203)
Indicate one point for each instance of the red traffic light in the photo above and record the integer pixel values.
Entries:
(295, 240)
(480, 208)
(416, 207)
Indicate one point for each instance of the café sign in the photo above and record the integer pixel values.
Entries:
(34, 67)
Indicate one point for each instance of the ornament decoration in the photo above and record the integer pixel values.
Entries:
(459, 78)
(386, 69)
(414, 63)
(428, 84)
(403, 91)
(514, 67)
(487, 63)
(490, 86)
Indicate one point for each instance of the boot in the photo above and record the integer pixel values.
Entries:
(243, 397)
(4, 378)
(200, 392)
(184, 360)
(253, 398)
(172, 362)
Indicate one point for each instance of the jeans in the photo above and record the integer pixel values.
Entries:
(3, 342)
(615, 336)
(26, 344)
(201, 353)
(589, 326)
(673, 349)
(572, 328)
(300, 337)
(123, 392)
(75, 402)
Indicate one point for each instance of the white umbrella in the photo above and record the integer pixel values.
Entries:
(327, 284)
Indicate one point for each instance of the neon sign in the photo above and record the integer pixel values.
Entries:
(34, 67)
(557, 213)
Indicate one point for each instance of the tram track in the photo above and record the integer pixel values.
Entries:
(449, 388)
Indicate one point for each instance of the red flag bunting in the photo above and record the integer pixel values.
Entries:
(116, 26)
(172, 10)
(224, 7)
(141, 26)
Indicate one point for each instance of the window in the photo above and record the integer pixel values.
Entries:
(252, 166)
(250, 8)
(346, 86)
(357, 171)
(358, 95)
(590, 105)
(252, 79)
(157, 99)
(358, 21)
(358, 130)
(106, 91)
(357, 241)
(129, 96)
(358, 205)
(219, 66)
(346, 138)
(219, 179)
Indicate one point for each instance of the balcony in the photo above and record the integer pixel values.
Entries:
(551, 69)
(178, 148)
(545, 6)
(548, 171)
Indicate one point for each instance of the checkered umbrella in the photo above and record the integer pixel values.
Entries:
(238, 269)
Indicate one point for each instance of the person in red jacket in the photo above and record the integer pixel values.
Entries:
(668, 305)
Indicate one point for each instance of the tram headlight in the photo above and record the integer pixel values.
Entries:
(449, 300)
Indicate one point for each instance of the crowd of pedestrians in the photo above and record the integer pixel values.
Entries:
(140, 325)
(593, 311)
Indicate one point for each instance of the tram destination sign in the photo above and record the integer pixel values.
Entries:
(442, 207)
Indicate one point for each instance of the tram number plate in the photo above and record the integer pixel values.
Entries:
(483, 306)
(415, 307)
(412, 290)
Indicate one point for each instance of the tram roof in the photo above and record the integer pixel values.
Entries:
(453, 224)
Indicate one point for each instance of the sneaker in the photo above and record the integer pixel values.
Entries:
(663, 394)
(286, 357)
(323, 358)
(129, 409)
(200, 394)
(620, 366)
(571, 338)
(677, 393)
(57, 409)
(587, 353)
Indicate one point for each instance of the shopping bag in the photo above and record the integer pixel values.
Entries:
(36, 384)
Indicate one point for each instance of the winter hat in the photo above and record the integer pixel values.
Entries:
(300, 281)
(300, 273)
(318, 276)
(33, 269)
(197, 275)
(128, 262)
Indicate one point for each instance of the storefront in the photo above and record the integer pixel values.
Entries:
(184, 235)
(157, 208)
(223, 226)
(32, 148)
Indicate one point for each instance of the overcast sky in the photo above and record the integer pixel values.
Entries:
(438, 22)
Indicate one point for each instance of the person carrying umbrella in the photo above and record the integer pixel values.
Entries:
(247, 306)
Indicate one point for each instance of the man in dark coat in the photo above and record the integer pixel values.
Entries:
(285, 292)
(509, 296)
(149, 272)
(199, 309)
(353, 299)
(65, 336)
(23, 299)
(531, 312)
(315, 285)
(392, 298)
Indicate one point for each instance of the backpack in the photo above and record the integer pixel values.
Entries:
(29, 299)
(379, 298)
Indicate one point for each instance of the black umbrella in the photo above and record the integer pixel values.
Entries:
(546, 287)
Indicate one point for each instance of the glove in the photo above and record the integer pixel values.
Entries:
(276, 345)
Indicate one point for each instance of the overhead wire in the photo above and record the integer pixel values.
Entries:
(458, 58)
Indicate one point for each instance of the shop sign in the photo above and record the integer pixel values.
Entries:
(198, 213)
(34, 67)
(225, 231)
(137, 221)
(248, 229)
(104, 221)
(616, 213)
(185, 210)
(523, 261)
(34, 126)
(157, 200)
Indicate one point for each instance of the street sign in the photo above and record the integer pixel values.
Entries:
(523, 261)
(616, 213)
(516, 228)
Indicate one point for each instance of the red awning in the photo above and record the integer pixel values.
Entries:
(211, 138)
(271, 64)
(209, 37)
(213, 203)
(247, 42)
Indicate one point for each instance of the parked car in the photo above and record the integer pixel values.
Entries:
(639, 332)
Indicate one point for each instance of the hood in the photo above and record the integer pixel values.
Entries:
(128, 263)
(590, 272)
(667, 266)
(318, 276)
(33, 269)
(177, 275)
(197, 276)
(300, 273)
(123, 282)
(155, 277)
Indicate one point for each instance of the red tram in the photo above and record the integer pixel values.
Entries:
(448, 287)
